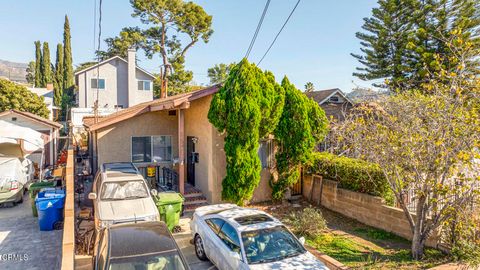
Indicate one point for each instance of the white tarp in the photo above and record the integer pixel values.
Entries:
(32, 139)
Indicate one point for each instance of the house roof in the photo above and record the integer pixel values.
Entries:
(169, 103)
(110, 59)
(33, 117)
(321, 96)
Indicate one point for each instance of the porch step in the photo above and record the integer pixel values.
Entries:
(195, 199)
(192, 194)
(190, 208)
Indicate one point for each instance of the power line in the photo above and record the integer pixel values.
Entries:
(278, 34)
(95, 106)
(258, 29)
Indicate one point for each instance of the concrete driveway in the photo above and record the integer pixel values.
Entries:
(183, 240)
(22, 244)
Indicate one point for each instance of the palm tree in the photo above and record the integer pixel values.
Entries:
(309, 87)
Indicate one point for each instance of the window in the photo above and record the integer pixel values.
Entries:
(97, 85)
(151, 149)
(144, 85)
(334, 99)
(230, 237)
(265, 152)
(215, 224)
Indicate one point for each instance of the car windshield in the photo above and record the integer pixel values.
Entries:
(124, 190)
(270, 245)
(164, 261)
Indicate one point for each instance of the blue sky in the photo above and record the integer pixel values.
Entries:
(314, 46)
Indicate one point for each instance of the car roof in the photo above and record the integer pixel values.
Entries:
(115, 176)
(135, 239)
(119, 166)
(243, 219)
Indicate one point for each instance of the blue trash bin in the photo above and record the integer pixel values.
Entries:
(50, 204)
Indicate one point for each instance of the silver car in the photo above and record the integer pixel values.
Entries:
(232, 237)
(120, 194)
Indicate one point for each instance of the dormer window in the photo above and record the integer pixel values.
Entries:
(334, 99)
(144, 85)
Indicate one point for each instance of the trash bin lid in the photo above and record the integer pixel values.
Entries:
(169, 197)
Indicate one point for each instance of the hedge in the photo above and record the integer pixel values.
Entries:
(352, 174)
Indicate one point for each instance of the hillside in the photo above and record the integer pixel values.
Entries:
(13, 71)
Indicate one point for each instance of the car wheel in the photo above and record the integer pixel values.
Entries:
(199, 249)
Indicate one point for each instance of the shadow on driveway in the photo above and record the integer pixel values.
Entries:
(22, 244)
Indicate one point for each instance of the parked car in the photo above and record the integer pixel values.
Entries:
(120, 194)
(232, 237)
(137, 246)
(16, 174)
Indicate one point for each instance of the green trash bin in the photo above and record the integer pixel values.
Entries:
(33, 191)
(169, 206)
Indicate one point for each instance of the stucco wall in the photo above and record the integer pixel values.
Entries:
(115, 142)
(365, 208)
(197, 125)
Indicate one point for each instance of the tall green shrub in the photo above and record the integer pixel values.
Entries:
(302, 125)
(246, 108)
(68, 81)
(46, 65)
(352, 174)
(58, 78)
(38, 64)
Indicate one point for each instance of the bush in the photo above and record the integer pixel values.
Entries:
(309, 222)
(352, 174)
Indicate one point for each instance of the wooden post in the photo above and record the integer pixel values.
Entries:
(181, 150)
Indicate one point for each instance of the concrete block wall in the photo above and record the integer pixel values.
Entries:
(367, 209)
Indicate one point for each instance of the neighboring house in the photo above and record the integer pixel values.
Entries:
(359, 95)
(333, 101)
(46, 127)
(119, 83)
(47, 94)
(175, 136)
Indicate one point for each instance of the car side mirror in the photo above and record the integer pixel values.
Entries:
(154, 192)
(302, 240)
(92, 196)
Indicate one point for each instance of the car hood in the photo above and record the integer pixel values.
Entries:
(126, 209)
(304, 261)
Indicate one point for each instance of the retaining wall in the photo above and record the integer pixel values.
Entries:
(367, 209)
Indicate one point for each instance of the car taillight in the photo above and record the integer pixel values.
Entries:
(13, 185)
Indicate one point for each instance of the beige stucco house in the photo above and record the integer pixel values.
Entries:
(115, 82)
(172, 133)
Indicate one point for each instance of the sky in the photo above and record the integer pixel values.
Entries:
(315, 45)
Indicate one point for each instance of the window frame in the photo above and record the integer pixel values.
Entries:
(268, 161)
(152, 148)
(96, 88)
(143, 85)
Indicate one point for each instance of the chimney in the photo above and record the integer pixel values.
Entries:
(49, 86)
(132, 81)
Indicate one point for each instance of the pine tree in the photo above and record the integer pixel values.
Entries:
(38, 64)
(403, 39)
(57, 98)
(68, 81)
(46, 65)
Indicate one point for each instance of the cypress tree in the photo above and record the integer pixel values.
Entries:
(38, 64)
(252, 101)
(301, 126)
(68, 81)
(46, 65)
(57, 98)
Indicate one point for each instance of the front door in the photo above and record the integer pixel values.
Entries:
(191, 160)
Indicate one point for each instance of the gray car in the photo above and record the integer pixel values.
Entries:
(138, 246)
